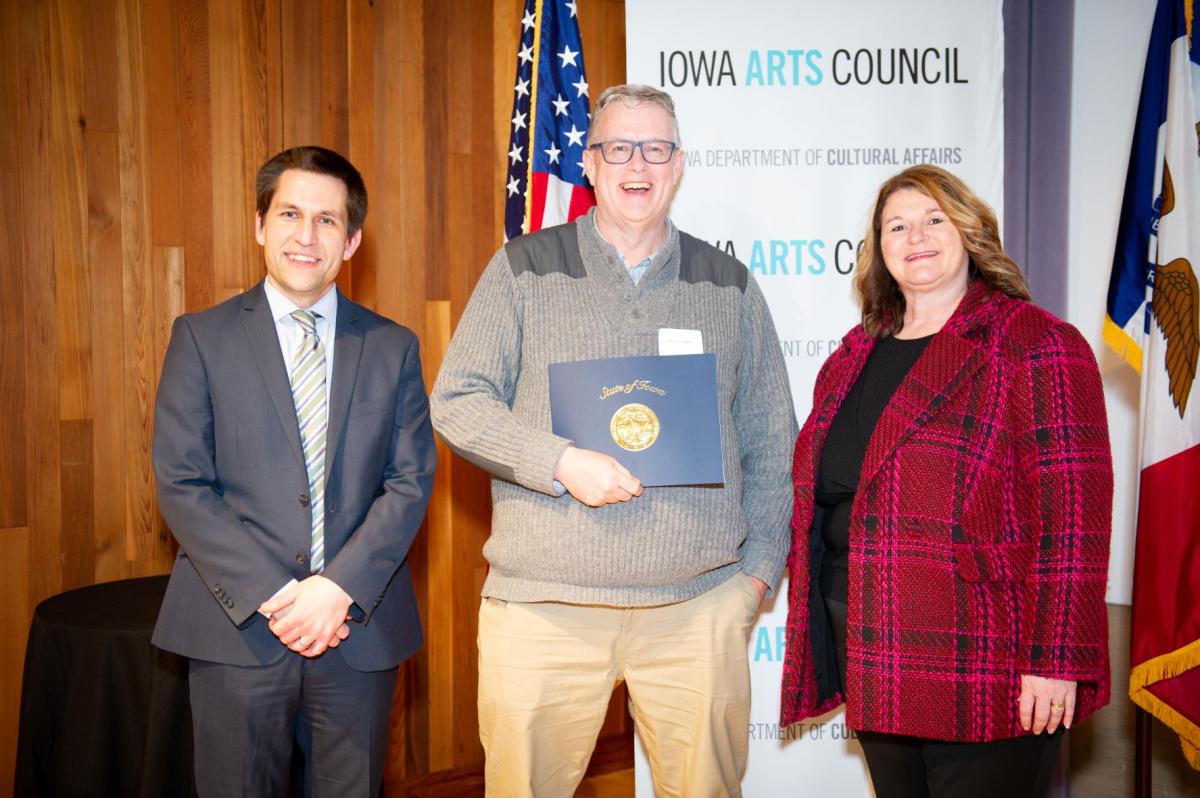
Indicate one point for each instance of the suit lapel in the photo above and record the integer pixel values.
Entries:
(264, 343)
(347, 350)
(944, 368)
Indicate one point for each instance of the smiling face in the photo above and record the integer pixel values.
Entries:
(304, 235)
(921, 247)
(633, 198)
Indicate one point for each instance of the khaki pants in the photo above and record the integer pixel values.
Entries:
(547, 670)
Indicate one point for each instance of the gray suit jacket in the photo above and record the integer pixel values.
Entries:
(232, 483)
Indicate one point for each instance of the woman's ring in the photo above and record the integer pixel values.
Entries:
(1057, 707)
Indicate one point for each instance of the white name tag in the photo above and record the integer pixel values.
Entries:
(680, 342)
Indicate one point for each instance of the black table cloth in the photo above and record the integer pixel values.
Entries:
(103, 713)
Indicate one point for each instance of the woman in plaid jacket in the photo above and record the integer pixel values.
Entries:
(953, 492)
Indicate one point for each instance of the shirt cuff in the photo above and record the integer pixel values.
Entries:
(290, 583)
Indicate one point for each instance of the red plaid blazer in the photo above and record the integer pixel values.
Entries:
(979, 534)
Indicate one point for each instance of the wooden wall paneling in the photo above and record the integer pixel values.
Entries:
(450, 642)
(15, 612)
(196, 169)
(167, 267)
(443, 644)
(164, 239)
(334, 76)
(67, 122)
(399, 259)
(99, 33)
(164, 178)
(12, 321)
(469, 498)
(400, 187)
(108, 351)
(602, 28)
(161, 56)
(301, 63)
(71, 61)
(141, 367)
(276, 39)
(461, 147)
(465, 237)
(357, 279)
(40, 304)
(258, 102)
(78, 511)
(506, 27)
(468, 571)
(239, 115)
(14, 536)
(103, 231)
(472, 192)
(313, 65)
(440, 50)
(471, 239)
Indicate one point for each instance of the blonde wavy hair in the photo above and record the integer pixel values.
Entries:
(878, 294)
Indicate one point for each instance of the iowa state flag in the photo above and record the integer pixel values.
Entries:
(546, 185)
(1153, 321)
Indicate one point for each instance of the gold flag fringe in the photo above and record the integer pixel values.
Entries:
(1161, 668)
(1120, 342)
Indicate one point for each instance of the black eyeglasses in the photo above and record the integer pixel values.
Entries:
(619, 151)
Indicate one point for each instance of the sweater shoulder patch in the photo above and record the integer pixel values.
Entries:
(701, 262)
(554, 250)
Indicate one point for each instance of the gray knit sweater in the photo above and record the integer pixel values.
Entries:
(491, 404)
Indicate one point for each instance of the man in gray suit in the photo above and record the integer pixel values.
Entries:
(294, 460)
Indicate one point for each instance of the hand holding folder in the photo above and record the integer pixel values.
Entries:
(657, 416)
(594, 478)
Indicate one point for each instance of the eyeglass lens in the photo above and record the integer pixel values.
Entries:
(654, 151)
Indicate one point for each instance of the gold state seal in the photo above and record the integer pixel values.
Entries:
(634, 427)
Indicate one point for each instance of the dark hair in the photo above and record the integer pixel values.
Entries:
(878, 294)
(323, 162)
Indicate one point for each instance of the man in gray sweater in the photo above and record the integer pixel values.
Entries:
(592, 579)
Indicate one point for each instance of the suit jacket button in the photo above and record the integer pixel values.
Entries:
(304, 499)
(302, 559)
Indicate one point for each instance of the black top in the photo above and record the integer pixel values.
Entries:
(846, 445)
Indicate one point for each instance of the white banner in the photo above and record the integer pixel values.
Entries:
(792, 112)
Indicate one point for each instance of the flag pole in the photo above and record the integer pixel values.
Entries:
(1142, 757)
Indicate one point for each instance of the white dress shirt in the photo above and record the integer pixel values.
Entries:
(290, 333)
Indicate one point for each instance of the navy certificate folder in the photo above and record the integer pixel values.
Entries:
(656, 415)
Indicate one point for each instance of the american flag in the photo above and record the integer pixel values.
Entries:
(546, 185)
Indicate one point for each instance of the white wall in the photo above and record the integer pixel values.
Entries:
(1110, 52)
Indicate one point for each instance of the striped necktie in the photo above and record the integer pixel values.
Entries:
(309, 394)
